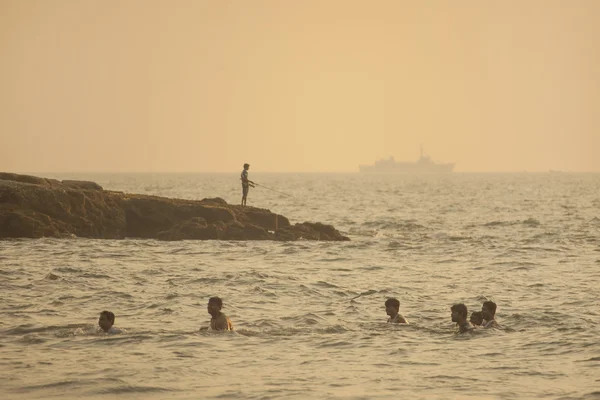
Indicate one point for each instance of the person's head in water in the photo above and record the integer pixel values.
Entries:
(246, 166)
(214, 306)
(459, 313)
(392, 307)
(106, 320)
(488, 310)
(476, 318)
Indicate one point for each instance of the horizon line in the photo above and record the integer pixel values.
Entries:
(307, 172)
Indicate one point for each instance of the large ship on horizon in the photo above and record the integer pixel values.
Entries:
(423, 165)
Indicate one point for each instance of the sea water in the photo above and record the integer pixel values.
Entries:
(309, 316)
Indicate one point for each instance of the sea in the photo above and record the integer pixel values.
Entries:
(309, 316)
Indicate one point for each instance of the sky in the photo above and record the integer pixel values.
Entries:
(298, 86)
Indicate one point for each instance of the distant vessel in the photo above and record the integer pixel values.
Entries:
(423, 164)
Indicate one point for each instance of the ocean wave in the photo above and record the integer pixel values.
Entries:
(456, 238)
(95, 276)
(207, 280)
(264, 292)
(531, 222)
(68, 270)
(52, 277)
(325, 284)
(63, 384)
(304, 331)
(593, 359)
(32, 339)
(499, 223)
(333, 259)
(133, 389)
(55, 330)
(406, 226)
(363, 232)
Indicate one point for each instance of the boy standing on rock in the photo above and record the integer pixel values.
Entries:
(246, 183)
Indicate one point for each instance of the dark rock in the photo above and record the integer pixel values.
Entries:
(7, 176)
(235, 230)
(82, 185)
(193, 229)
(28, 224)
(261, 217)
(148, 215)
(58, 210)
(327, 232)
(215, 201)
(32, 207)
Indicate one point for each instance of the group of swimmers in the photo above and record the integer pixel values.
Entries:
(486, 318)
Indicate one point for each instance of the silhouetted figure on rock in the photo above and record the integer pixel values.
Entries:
(246, 183)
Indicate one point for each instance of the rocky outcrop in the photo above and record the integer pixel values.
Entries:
(33, 207)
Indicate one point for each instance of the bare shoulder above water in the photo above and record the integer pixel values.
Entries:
(33, 207)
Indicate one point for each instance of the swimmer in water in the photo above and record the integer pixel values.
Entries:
(218, 321)
(476, 319)
(459, 315)
(488, 311)
(392, 308)
(106, 322)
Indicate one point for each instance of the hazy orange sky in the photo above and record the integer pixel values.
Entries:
(312, 85)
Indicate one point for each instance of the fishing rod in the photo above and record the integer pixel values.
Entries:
(276, 191)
